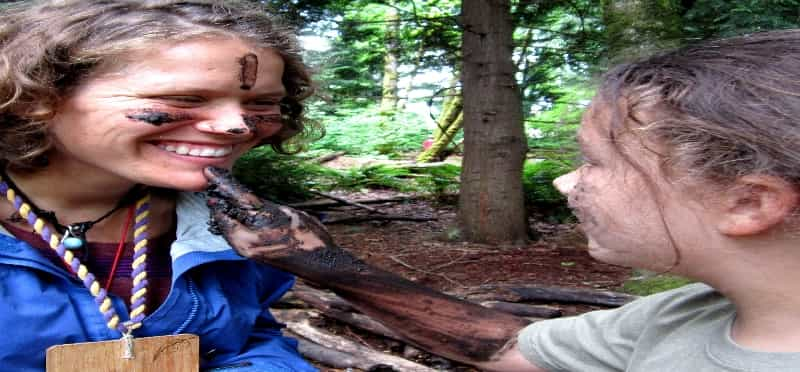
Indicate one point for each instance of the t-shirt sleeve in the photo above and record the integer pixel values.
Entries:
(594, 341)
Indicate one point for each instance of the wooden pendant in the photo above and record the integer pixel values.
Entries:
(178, 353)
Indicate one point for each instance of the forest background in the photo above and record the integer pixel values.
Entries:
(402, 80)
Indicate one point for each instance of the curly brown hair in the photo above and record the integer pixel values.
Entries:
(49, 47)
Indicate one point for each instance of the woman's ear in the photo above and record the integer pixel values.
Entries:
(755, 204)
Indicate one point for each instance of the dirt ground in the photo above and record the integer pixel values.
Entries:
(428, 253)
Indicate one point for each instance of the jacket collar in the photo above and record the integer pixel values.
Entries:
(194, 244)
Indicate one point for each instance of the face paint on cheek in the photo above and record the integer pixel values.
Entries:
(154, 117)
(249, 72)
(236, 131)
(262, 123)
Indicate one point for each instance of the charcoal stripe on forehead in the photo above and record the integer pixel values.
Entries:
(156, 117)
(249, 72)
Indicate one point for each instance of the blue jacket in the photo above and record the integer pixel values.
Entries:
(215, 294)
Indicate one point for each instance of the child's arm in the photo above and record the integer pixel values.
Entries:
(295, 242)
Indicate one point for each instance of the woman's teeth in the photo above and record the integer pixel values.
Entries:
(202, 151)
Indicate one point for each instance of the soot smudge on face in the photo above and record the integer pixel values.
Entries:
(157, 118)
(249, 72)
(236, 131)
(254, 121)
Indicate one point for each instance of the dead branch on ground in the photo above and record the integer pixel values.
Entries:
(530, 293)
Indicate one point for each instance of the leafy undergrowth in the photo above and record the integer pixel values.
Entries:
(645, 283)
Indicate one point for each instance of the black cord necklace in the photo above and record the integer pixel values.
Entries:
(74, 234)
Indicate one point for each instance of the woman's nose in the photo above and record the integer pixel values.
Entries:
(565, 183)
(226, 122)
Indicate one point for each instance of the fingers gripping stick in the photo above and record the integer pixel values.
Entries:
(255, 226)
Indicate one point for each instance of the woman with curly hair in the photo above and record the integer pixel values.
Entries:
(109, 112)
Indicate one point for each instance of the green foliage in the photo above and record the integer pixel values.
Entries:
(537, 181)
(720, 18)
(437, 180)
(376, 176)
(282, 178)
(647, 284)
(552, 133)
(555, 42)
(363, 131)
(286, 179)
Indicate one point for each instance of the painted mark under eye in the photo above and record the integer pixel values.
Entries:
(155, 117)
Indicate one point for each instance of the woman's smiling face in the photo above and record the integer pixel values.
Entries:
(159, 120)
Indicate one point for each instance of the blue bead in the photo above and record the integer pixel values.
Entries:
(72, 243)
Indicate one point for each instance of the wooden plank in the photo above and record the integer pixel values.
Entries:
(179, 353)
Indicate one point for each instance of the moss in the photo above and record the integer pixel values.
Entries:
(644, 284)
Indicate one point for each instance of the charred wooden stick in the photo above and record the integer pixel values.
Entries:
(334, 307)
(295, 242)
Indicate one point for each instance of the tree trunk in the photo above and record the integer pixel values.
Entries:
(450, 122)
(390, 75)
(491, 206)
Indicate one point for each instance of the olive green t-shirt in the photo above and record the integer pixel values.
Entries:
(686, 329)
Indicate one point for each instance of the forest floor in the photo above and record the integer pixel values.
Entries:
(430, 254)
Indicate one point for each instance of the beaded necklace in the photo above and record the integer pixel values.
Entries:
(139, 266)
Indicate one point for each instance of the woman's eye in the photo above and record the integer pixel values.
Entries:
(181, 101)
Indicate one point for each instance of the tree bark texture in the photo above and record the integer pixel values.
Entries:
(448, 125)
(390, 75)
(491, 208)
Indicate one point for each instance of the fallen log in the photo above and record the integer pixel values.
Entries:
(335, 307)
(381, 217)
(348, 354)
(347, 202)
(320, 299)
(328, 157)
(525, 310)
(524, 293)
(322, 204)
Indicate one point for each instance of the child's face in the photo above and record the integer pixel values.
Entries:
(174, 110)
(622, 211)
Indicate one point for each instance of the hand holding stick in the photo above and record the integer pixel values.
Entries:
(296, 242)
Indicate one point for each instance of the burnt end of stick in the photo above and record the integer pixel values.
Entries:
(232, 199)
(327, 264)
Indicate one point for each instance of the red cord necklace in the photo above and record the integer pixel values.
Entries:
(120, 246)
